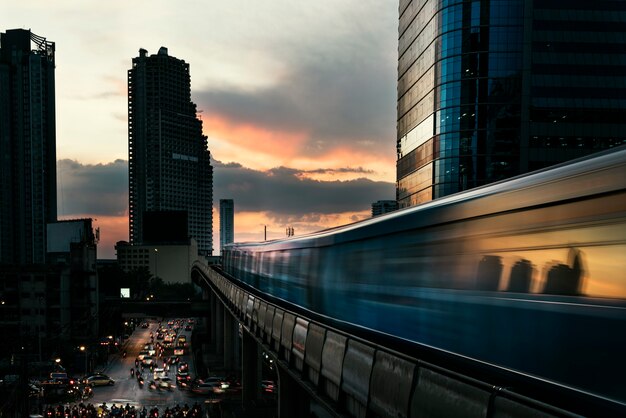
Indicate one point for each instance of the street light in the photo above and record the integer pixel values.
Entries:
(83, 349)
(156, 262)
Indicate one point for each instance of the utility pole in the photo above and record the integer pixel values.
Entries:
(264, 232)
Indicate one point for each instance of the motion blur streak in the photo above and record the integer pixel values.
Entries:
(527, 274)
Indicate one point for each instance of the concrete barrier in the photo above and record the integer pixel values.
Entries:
(277, 328)
(261, 330)
(242, 303)
(357, 370)
(508, 408)
(249, 310)
(269, 323)
(332, 363)
(438, 395)
(289, 322)
(299, 343)
(391, 386)
(314, 344)
(255, 315)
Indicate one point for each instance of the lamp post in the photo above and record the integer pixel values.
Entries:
(83, 349)
(156, 262)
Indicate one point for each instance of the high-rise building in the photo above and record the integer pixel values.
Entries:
(28, 194)
(169, 164)
(227, 222)
(492, 89)
(380, 207)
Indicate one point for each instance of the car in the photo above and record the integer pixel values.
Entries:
(179, 351)
(173, 360)
(159, 373)
(268, 386)
(164, 383)
(183, 367)
(142, 355)
(223, 382)
(147, 361)
(182, 377)
(145, 325)
(207, 388)
(188, 327)
(99, 380)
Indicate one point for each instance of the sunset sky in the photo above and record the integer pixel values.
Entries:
(298, 100)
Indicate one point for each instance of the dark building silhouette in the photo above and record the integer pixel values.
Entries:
(565, 280)
(521, 277)
(165, 227)
(489, 272)
(28, 196)
(491, 89)
(227, 222)
(168, 161)
(48, 307)
(381, 207)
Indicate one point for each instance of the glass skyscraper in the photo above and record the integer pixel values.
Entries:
(489, 89)
(28, 193)
(168, 161)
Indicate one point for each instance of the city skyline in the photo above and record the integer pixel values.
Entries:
(297, 103)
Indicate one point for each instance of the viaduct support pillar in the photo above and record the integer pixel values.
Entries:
(230, 334)
(219, 328)
(250, 371)
(212, 312)
(293, 401)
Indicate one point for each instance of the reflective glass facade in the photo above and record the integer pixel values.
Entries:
(488, 89)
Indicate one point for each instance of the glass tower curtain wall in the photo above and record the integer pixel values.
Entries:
(488, 89)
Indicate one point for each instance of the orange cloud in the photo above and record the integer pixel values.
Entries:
(253, 146)
(261, 149)
(381, 165)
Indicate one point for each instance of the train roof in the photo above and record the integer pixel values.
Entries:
(538, 187)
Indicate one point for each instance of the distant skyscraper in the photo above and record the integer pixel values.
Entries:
(384, 206)
(227, 222)
(492, 89)
(28, 196)
(168, 160)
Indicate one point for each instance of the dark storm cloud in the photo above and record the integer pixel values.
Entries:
(282, 192)
(339, 96)
(100, 189)
(285, 192)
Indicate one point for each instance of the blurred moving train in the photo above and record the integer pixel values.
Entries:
(528, 274)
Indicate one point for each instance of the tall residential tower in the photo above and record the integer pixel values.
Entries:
(168, 160)
(227, 222)
(489, 89)
(28, 194)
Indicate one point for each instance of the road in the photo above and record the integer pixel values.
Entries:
(126, 388)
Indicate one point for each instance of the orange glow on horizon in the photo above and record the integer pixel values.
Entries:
(266, 145)
(259, 148)
(249, 226)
